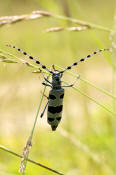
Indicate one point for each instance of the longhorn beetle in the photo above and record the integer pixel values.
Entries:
(56, 94)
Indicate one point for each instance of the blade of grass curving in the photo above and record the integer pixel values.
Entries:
(80, 145)
(98, 88)
(7, 54)
(99, 43)
(90, 84)
(83, 23)
(98, 103)
(113, 120)
(92, 99)
(29, 160)
(83, 147)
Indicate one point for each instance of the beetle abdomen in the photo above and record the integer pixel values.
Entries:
(55, 106)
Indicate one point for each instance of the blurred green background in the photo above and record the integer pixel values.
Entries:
(91, 128)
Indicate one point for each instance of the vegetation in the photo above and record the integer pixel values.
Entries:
(58, 32)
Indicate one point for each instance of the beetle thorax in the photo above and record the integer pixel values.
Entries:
(56, 80)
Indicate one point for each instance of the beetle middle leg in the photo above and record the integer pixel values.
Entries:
(70, 85)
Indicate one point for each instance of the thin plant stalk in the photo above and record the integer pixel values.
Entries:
(90, 84)
(90, 25)
(6, 54)
(92, 99)
(29, 141)
(84, 148)
(98, 103)
(113, 40)
(42, 14)
(29, 160)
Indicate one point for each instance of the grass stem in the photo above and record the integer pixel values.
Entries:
(29, 160)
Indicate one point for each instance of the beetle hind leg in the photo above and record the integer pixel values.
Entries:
(44, 110)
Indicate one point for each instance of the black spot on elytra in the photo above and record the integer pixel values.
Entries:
(52, 97)
(62, 96)
(88, 56)
(19, 49)
(54, 110)
(59, 108)
(50, 119)
(58, 118)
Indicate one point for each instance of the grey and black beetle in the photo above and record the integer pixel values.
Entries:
(56, 94)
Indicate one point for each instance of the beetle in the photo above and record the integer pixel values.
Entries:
(56, 94)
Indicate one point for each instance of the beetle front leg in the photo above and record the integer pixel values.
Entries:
(46, 79)
(45, 84)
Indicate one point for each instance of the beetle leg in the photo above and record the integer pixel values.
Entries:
(46, 79)
(70, 85)
(45, 84)
(44, 110)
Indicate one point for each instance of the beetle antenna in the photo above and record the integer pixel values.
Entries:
(30, 57)
(84, 58)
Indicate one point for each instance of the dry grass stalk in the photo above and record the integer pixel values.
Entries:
(29, 160)
(36, 15)
(43, 13)
(76, 28)
(57, 29)
(39, 14)
(14, 19)
(25, 155)
(54, 29)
